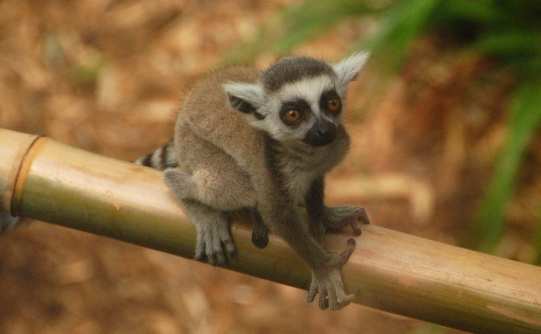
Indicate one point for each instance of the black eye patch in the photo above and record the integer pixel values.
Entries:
(299, 105)
(327, 96)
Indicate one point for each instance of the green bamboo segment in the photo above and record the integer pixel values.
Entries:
(392, 271)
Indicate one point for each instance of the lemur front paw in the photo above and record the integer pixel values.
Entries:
(215, 244)
(328, 281)
(338, 217)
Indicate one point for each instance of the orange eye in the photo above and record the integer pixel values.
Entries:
(292, 115)
(334, 104)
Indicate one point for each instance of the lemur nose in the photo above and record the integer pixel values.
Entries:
(326, 130)
(323, 132)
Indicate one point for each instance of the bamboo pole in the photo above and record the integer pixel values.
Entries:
(393, 272)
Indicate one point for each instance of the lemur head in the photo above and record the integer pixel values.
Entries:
(297, 98)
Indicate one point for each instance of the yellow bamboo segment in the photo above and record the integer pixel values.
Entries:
(394, 272)
(13, 148)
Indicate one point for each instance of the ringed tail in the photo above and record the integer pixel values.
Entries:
(161, 159)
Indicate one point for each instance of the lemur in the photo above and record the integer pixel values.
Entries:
(264, 140)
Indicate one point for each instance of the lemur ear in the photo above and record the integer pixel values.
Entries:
(244, 97)
(348, 68)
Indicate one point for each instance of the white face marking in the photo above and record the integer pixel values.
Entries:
(308, 90)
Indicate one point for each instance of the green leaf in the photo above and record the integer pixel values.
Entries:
(524, 121)
(401, 25)
(312, 17)
(480, 11)
(510, 43)
(298, 24)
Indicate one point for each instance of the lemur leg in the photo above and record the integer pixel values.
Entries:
(316, 209)
(214, 240)
(207, 189)
(207, 174)
(186, 188)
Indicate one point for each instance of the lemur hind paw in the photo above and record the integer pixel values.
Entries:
(215, 245)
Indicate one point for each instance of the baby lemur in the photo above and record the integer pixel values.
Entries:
(264, 141)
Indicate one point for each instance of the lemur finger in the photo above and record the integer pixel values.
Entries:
(333, 301)
(221, 259)
(355, 227)
(230, 248)
(362, 216)
(323, 300)
(343, 298)
(216, 253)
(339, 259)
(200, 254)
(339, 299)
(312, 292)
(346, 253)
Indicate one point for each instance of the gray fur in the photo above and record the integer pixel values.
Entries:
(292, 69)
(236, 151)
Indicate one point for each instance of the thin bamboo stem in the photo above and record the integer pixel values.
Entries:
(394, 272)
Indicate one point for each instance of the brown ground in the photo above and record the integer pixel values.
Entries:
(99, 74)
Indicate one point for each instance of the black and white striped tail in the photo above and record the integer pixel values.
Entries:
(161, 159)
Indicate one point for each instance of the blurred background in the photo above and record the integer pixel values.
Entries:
(444, 123)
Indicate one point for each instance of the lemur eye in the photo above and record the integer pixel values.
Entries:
(334, 104)
(291, 116)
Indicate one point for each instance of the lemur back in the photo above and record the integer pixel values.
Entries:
(203, 97)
